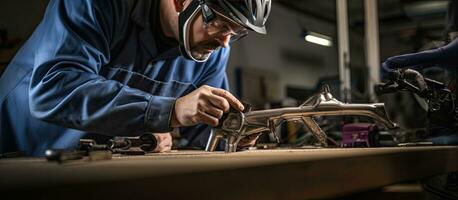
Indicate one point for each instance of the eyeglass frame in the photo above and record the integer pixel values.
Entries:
(209, 17)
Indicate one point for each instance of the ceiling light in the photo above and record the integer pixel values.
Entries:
(319, 39)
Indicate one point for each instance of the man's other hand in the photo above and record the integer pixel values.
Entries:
(445, 56)
(205, 105)
(164, 142)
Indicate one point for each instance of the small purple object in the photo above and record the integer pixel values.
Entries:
(358, 134)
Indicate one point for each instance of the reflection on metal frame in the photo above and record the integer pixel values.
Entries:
(237, 125)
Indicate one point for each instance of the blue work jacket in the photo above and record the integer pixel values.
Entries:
(93, 67)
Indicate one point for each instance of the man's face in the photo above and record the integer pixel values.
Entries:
(205, 38)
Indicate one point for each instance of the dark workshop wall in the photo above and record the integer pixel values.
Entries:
(20, 17)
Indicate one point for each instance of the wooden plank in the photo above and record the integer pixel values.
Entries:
(260, 174)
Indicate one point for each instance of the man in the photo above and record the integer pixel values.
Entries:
(123, 67)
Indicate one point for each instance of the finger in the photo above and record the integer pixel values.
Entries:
(161, 149)
(165, 135)
(207, 119)
(219, 102)
(164, 142)
(169, 137)
(234, 102)
(165, 145)
(422, 59)
(162, 137)
(215, 112)
(167, 148)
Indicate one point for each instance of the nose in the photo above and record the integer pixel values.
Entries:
(224, 40)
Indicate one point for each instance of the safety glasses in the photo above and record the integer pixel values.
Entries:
(221, 25)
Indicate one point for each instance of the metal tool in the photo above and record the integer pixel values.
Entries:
(143, 143)
(237, 125)
(89, 148)
(436, 93)
(441, 102)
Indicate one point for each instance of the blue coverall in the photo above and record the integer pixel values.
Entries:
(93, 66)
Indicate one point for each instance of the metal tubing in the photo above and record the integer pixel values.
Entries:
(321, 104)
(316, 130)
(213, 140)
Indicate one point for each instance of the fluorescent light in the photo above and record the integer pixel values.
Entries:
(318, 39)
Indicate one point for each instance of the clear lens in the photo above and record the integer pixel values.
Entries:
(223, 25)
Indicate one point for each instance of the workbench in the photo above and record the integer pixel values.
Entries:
(253, 174)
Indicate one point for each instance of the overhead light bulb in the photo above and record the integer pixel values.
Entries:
(319, 39)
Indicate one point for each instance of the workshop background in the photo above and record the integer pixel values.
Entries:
(285, 65)
(282, 64)
(282, 68)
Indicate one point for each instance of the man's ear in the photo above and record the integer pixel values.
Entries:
(179, 5)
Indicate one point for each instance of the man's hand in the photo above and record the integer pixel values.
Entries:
(445, 56)
(204, 105)
(164, 142)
